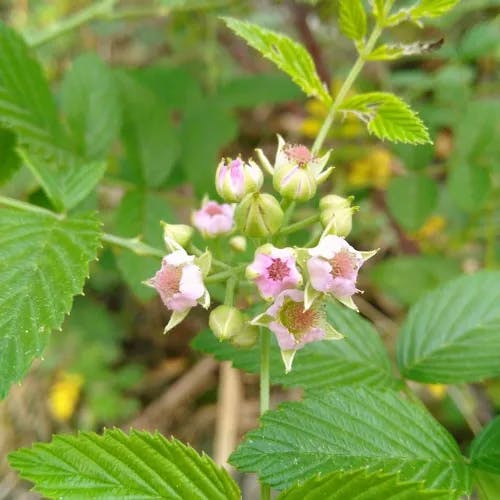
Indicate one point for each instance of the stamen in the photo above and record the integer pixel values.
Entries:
(343, 265)
(278, 270)
(296, 319)
(299, 153)
(169, 279)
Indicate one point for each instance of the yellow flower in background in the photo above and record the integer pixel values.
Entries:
(432, 227)
(438, 391)
(348, 127)
(374, 170)
(64, 395)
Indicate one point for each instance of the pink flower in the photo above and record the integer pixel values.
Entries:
(294, 325)
(179, 283)
(234, 179)
(274, 270)
(214, 218)
(333, 266)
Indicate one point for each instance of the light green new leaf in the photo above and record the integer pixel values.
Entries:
(432, 8)
(362, 485)
(452, 334)
(411, 199)
(485, 449)
(487, 484)
(378, 8)
(290, 56)
(149, 137)
(359, 358)
(388, 117)
(120, 466)
(90, 100)
(43, 264)
(348, 429)
(352, 18)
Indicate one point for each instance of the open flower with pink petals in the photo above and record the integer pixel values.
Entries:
(274, 270)
(235, 178)
(179, 283)
(294, 325)
(333, 267)
(214, 219)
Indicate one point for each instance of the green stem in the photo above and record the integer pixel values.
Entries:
(265, 491)
(70, 23)
(224, 275)
(28, 207)
(351, 77)
(230, 290)
(133, 244)
(297, 226)
(196, 251)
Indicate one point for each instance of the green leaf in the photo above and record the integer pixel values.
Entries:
(139, 214)
(424, 272)
(452, 334)
(120, 466)
(480, 41)
(411, 199)
(469, 186)
(205, 130)
(378, 8)
(348, 429)
(43, 264)
(290, 56)
(359, 358)
(485, 449)
(361, 485)
(487, 484)
(388, 117)
(352, 18)
(150, 140)
(432, 8)
(10, 161)
(90, 100)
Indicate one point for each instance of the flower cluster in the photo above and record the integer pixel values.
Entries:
(295, 282)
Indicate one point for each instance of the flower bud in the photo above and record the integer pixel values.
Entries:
(180, 233)
(213, 219)
(226, 322)
(295, 182)
(258, 215)
(235, 179)
(238, 243)
(336, 215)
(247, 337)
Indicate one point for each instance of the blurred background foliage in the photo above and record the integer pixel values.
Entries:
(162, 90)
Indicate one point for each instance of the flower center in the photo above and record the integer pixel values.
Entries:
(299, 153)
(213, 209)
(236, 163)
(278, 270)
(343, 265)
(297, 320)
(170, 279)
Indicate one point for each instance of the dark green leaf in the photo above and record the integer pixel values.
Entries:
(452, 334)
(9, 159)
(485, 449)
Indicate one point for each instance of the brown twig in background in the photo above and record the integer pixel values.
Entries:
(228, 413)
(300, 14)
(159, 414)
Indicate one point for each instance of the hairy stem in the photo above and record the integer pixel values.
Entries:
(133, 244)
(351, 77)
(297, 226)
(265, 491)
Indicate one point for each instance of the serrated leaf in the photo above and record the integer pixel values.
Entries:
(290, 56)
(361, 485)
(359, 358)
(378, 8)
(452, 334)
(487, 484)
(469, 186)
(391, 52)
(43, 264)
(485, 449)
(89, 98)
(352, 18)
(10, 161)
(120, 466)
(148, 134)
(139, 215)
(27, 108)
(388, 117)
(411, 199)
(432, 8)
(348, 429)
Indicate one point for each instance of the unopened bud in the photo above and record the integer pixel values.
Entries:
(258, 215)
(226, 322)
(180, 233)
(336, 214)
(234, 179)
(247, 337)
(238, 243)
